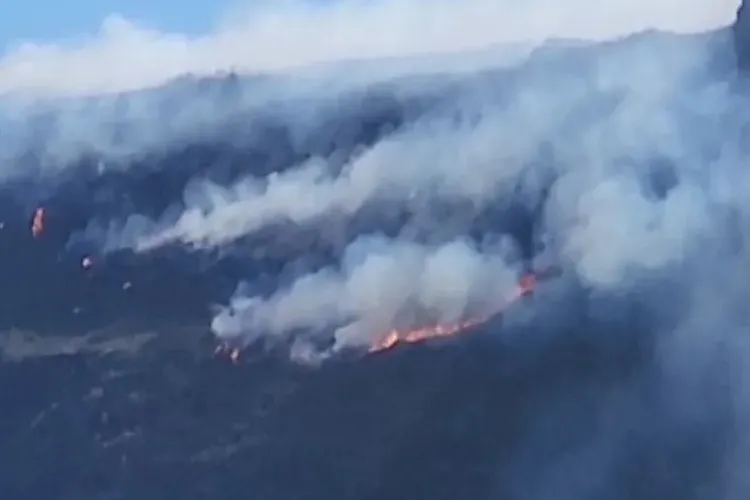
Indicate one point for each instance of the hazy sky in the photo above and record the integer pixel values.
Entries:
(52, 20)
(90, 46)
(48, 20)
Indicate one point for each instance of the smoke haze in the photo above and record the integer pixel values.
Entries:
(364, 166)
(621, 157)
(273, 36)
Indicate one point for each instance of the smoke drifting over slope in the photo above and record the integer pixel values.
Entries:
(613, 160)
(601, 169)
(320, 208)
(270, 36)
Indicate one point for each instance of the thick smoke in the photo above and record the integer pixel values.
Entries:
(610, 141)
(272, 37)
(283, 35)
(623, 185)
(381, 284)
(625, 159)
(613, 149)
(482, 155)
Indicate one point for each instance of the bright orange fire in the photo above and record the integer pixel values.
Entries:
(525, 287)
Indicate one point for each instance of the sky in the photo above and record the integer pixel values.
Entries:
(50, 20)
(102, 46)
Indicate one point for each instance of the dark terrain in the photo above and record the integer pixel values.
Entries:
(112, 393)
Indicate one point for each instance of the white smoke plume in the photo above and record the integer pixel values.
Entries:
(483, 160)
(602, 110)
(273, 36)
(613, 116)
(602, 119)
(38, 79)
(380, 284)
(478, 161)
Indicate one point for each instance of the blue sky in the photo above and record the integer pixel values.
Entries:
(49, 20)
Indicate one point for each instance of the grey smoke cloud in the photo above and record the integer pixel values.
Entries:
(614, 118)
(606, 113)
(380, 284)
(277, 36)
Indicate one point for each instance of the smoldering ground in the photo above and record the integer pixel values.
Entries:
(327, 208)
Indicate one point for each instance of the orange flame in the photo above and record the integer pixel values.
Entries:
(525, 287)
